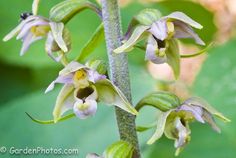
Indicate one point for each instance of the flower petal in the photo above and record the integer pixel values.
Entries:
(209, 119)
(86, 109)
(110, 94)
(68, 79)
(71, 67)
(27, 27)
(196, 111)
(151, 50)
(183, 30)
(94, 76)
(135, 37)
(159, 29)
(27, 41)
(184, 18)
(183, 133)
(51, 46)
(161, 122)
(16, 30)
(202, 103)
(57, 32)
(65, 101)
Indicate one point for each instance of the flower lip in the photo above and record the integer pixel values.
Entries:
(84, 93)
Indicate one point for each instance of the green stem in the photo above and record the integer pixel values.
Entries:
(119, 70)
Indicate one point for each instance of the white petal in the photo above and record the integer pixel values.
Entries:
(159, 29)
(184, 18)
(68, 79)
(57, 32)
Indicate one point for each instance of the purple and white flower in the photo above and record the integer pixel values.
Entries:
(176, 25)
(83, 88)
(174, 123)
(33, 28)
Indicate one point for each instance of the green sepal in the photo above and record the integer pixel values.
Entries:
(92, 43)
(66, 117)
(112, 95)
(137, 35)
(120, 149)
(173, 57)
(161, 100)
(64, 11)
(145, 128)
(148, 16)
(99, 65)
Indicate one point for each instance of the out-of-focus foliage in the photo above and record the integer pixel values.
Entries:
(24, 79)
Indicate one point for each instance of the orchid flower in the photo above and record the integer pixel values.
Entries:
(174, 123)
(33, 28)
(161, 33)
(83, 88)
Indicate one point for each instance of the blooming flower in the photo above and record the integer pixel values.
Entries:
(174, 123)
(33, 28)
(83, 88)
(161, 36)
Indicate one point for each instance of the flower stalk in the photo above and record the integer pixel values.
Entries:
(119, 74)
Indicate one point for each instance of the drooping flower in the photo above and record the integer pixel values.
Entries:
(83, 88)
(174, 123)
(33, 28)
(161, 33)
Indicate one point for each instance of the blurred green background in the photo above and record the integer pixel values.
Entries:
(24, 79)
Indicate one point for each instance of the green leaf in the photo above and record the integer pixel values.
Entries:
(135, 37)
(92, 43)
(110, 94)
(65, 10)
(120, 149)
(148, 16)
(173, 57)
(161, 100)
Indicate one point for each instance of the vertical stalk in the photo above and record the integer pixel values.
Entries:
(118, 64)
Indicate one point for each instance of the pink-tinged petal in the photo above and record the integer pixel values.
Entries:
(196, 111)
(71, 67)
(26, 28)
(27, 41)
(49, 47)
(210, 120)
(86, 109)
(68, 79)
(16, 30)
(159, 29)
(183, 133)
(151, 50)
(94, 76)
(183, 30)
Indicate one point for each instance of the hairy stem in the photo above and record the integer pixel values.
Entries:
(119, 70)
